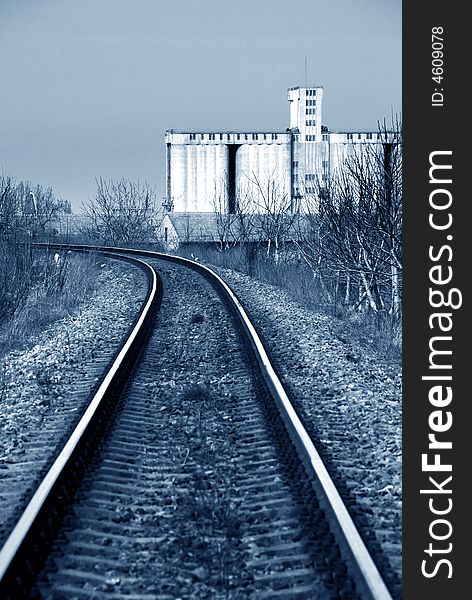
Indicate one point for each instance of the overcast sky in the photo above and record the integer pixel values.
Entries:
(88, 87)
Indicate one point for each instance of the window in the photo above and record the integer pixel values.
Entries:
(221, 136)
(349, 136)
(254, 136)
(238, 136)
(310, 177)
(325, 138)
(359, 136)
(274, 136)
(310, 123)
(295, 164)
(211, 136)
(192, 136)
(369, 136)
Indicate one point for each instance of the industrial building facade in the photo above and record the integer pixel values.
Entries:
(224, 170)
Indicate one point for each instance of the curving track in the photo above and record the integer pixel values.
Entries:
(284, 532)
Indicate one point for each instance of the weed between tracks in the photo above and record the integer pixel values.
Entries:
(203, 554)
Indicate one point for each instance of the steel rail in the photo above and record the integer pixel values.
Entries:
(360, 563)
(14, 545)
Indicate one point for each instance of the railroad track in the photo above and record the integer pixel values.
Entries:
(190, 474)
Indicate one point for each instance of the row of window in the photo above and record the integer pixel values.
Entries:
(273, 136)
(369, 136)
(307, 190)
(310, 102)
(310, 123)
(310, 111)
(309, 176)
(311, 92)
(255, 136)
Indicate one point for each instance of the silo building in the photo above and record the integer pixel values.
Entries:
(221, 171)
(213, 170)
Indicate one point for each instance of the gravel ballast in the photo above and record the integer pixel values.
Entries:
(350, 402)
(46, 385)
(189, 496)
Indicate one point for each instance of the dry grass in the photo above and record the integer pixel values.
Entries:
(52, 287)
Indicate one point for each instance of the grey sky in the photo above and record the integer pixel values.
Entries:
(88, 87)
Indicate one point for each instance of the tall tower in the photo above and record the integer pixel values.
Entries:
(309, 148)
(305, 112)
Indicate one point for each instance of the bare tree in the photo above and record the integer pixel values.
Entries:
(39, 208)
(361, 215)
(8, 205)
(122, 212)
(222, 216)
(353, 226)
(27, 210)
(275, 218)
(243, 223)
(26, 213)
